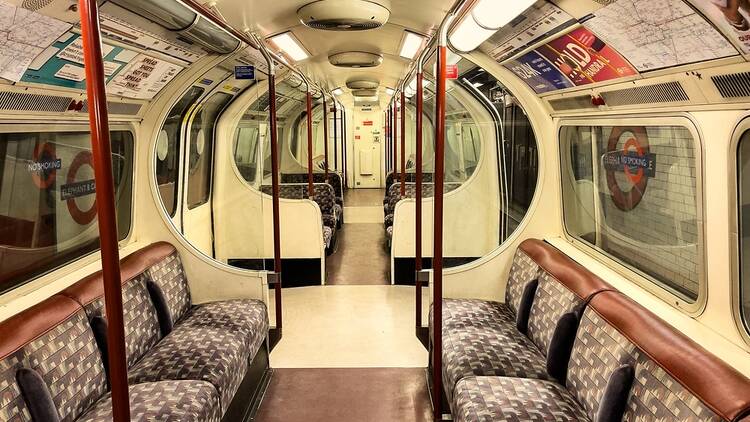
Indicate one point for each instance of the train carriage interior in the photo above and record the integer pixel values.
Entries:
(374, 210)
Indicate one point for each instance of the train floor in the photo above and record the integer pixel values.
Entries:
(349, 352)
(360, 256)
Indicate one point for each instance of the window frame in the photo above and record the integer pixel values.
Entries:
(631, 273)
(743, 325)
(84, 259)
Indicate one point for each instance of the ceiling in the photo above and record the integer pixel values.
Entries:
(272, 17)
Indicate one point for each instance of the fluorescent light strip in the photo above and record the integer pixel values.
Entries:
(410, 45)
(468, 35)
(338, 91)
(390, 91)
(289, 45)
(493, 14)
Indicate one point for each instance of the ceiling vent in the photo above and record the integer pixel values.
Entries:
(365, 93)
(733, 85)
(345, 15)
(21, 101)
(581, 102)
(362, 84)
(355, 59)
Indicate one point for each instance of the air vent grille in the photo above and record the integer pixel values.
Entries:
(668, 92)
(21, 101)
(344, 25)
(733, 85)
(124, 109)
(581, 102)
(35, 5)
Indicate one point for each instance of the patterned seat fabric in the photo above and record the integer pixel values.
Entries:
(141, 323)
(498, 350)
(334, 179)
(324, 196)
(491, 399)
(56, 342)
(164, 401)
(190, 352)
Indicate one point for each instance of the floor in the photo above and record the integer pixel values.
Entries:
(346, 395)
(349, 351)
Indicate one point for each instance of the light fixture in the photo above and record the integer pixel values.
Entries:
(486, 17)
(390, 91)
(366, 99)
(338, 91)
(289, 44)
(411, 43)
(178, 17)
(492, 14)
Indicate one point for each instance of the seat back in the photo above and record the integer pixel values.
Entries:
(675, 378)
(142, 325)
(333, 179)
(564, 286)
(55, 340)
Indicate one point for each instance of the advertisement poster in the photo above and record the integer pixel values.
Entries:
(654, 34)
(732, 17)
(541, 75)
(143, 78)
(538, 21)
(585, 59)
(61, 64)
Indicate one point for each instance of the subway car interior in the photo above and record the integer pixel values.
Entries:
(374, 210)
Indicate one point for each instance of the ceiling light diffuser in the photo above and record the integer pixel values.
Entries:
(287, 43)
(338, 91)
(411, 43)
(390, 91)
(493, 14)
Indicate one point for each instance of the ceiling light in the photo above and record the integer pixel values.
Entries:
(411, 43)
(492, 14)
(338, 91)
(366, 99)
(390, 91)
(287, 43)
(468, 35)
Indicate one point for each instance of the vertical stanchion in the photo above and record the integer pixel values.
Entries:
(387, 140)
(105, 206)
(403, 143)
(418, 181)
(310, 188)
(325, 136)
(335, 137)
(344, 149)
(437, 253)
(394, 137)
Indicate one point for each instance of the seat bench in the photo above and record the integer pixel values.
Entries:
(590, 355)
(186, 362)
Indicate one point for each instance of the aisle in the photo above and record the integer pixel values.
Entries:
(360, 257)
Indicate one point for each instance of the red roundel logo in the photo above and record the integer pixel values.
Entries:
(634, 160)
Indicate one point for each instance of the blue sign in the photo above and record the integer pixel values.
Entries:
(632, 160)
(244, 72)
(541, 75)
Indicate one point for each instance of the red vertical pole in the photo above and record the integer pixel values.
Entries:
(335, 137)
(310, 189)
(105, 205)
(437, 254)
(394, 137)
(388, 138)
(403, 143)
(275, 200)
(418, 219)
(325, 136)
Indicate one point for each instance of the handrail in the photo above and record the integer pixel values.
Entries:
(310, 188)
(403, 143)
(105, 205)
(325, 136)
(275, 185)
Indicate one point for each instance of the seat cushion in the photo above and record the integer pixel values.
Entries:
(459, 313)
(210, 354)
(247, 319)
(489, 399)
(479, 351)
(165, 401)
(327, 236)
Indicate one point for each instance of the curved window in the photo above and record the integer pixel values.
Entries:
(47, 200)
(632, 193)
(743, 192)
(200, 157)
(168, 149)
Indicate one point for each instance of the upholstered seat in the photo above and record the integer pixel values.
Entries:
(164, 401)
(490, 399)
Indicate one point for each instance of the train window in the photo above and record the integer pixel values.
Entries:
(47, 200)
(168, 149)
(631, 192)
(743, 190)
(201, 149)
